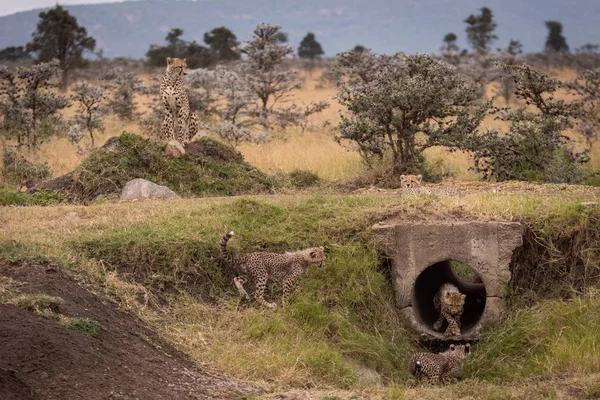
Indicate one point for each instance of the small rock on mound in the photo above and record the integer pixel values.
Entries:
(141, 189)
(174, 149)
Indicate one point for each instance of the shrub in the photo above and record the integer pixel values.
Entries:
(403, 105)
(535, 147)
(19, 170)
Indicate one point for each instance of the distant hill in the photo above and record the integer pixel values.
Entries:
(128, 28)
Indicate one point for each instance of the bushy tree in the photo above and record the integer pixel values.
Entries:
(535, 146)
(514, 48)
(587, 87)
(588, 48)
(197, 56)
(28, 103)
(450, 45)
(89, 99)
(480, 30)
(555, 42)
(59, 36)
(404, 104)
(309, 47)
(14, 53)
(222, 43)
(122, 86)
(359, 48)
(264, 73)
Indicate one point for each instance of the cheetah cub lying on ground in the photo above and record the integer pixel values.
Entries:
(450, 303)
(410, 181)
(259, 267)
(442, 367)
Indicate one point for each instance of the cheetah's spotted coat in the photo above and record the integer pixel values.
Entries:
(260, 267)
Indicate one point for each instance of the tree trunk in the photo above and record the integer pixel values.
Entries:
(64, 81)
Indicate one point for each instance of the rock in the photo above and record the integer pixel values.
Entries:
(174, 149)
(141, 189)
(588, 203)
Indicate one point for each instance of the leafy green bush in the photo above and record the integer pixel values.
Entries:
(39, 198)
(19, 170)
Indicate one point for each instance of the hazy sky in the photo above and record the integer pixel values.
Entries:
(13, 6)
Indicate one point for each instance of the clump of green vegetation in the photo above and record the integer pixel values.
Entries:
(40, 197)
(48, 307)
(209, 168)
(297, 179)
(85, 325)
(40, 304)
(552, 336)
(21, 171)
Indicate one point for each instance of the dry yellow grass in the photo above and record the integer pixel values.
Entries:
(313, 149)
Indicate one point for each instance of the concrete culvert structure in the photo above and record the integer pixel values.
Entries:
(474, 256)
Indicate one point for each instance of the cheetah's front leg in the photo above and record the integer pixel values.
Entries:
(438, 324)
(288, 287)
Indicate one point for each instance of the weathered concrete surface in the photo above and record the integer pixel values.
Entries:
(141, 189)
(486, 247)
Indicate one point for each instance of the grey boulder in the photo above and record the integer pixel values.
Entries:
(141, 189)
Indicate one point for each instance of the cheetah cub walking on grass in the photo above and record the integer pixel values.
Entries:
(442, 367)
(260, 267)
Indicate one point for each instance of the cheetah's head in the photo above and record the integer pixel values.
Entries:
(316, 255)
(177, 65)
(461, 351)
(407, 181)
(454, 302)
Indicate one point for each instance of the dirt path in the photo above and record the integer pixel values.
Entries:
(43, 359)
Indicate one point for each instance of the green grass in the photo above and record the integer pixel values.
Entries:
(40, 198)
(161, 261)
(554, 336)
(86, 325)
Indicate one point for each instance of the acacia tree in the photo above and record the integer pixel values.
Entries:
(222, 43)
(555, 42)
(309, 47)
(28, 104)
(450, 45)
(89, 99)
(535, 146)
(263, 72)
(403, 104)
(122, 86)
(271, 83)
(480, 30)
(59, 36)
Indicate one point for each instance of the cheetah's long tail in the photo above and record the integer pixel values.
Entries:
(223, 247)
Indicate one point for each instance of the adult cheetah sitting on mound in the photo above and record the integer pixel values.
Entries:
(259, 267)
(450, 303)
(442, 367)
(178, 124)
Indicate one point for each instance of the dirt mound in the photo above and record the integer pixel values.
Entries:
(41, 358)
(208, 169)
